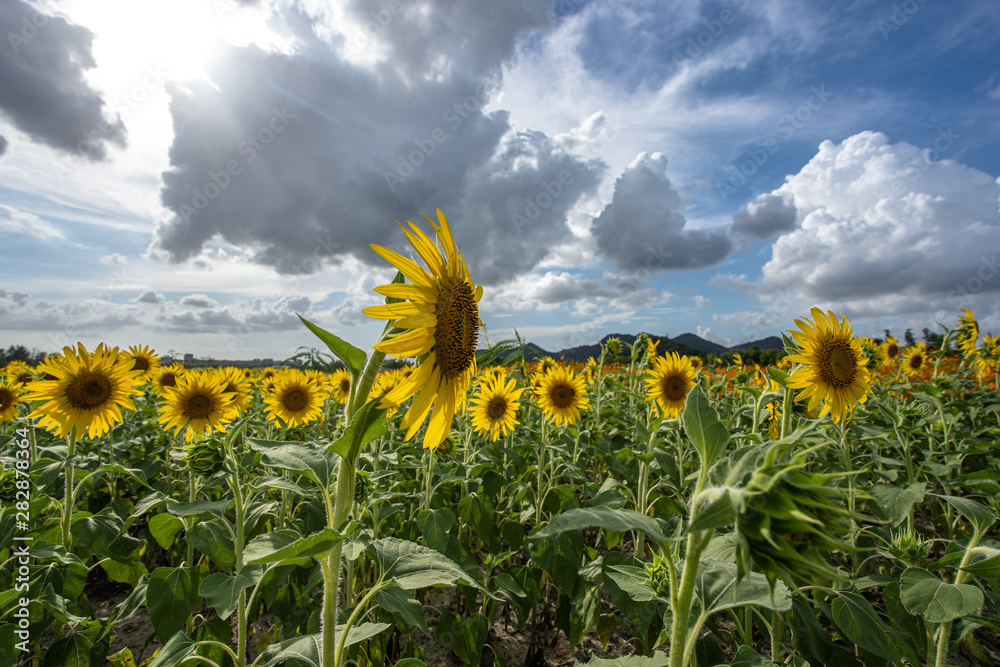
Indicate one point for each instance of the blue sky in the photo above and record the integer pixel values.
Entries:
(607, 166)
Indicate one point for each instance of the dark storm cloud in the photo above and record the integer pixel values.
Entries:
(766, 217)
(307, 158)
(3, 144)
(643, 228)
(42, 87)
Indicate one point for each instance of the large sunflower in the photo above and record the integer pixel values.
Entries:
(237, 385)
(967, 332)
(144, 360)
(441, 314)
(340, 385)
(673, 376)
(495, 406)
(196, 404)
(914, 359)
(86, 392)
(167, 376)
(561, 395)
(10, 396)
(833, 367)
(294, 400)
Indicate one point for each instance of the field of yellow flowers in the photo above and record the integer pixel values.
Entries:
(464, 507)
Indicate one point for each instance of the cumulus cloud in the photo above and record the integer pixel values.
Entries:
(241, 318)
(765, 217)
(198, 301)
(702, 302)
(308, 158)
(114, 259)
(150, 296)
(67, 321)
(44, 92)
(14, 221)
(886, 228)
(3, 145)
(643, 228)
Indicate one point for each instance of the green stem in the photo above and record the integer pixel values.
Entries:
(696, 543)
(944, 634)
(539, 492)
(354, 617)
(786, 412)
(777, 629)
(69, 496)
(241, 621)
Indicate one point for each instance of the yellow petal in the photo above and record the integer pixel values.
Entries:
(409, 268)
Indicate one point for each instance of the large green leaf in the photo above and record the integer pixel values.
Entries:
(311, 459)
(717, 512)
(171, 596)
(413, 566)
(352, 357)
(980, 516)
(638, 603)
(925, 595)
(213, 539)
(434, 525)
(858, 622)
(987, 567)
(704, 427)
(479, 513)
(289, 544)
(307, 647)
(129, 606)
(367, 424)
(164, 528)
(174, 651)
(894, 503)
(72, 651)
(718, 587)
(466, 637)
(809, 637)
(104, 534)
(617, 520)
(200, 508)
(222, 591)
(658, 659)
(631, 579)
(399, 601)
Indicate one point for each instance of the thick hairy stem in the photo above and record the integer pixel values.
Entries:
(68, 499)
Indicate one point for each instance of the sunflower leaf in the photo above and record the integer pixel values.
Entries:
(703, 426)
(367, 424)
(352, 357)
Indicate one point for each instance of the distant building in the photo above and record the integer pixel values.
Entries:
(188, 358)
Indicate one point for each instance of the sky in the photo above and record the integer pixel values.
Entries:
(193, 175)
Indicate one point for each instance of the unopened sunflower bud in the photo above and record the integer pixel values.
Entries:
(362, 486)
(909, 547)
(204, 456)
(658, 576)
(8, 486)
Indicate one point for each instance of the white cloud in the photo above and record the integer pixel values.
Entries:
(114, 259)
(198, 301)
(13, 221)
(702, 302)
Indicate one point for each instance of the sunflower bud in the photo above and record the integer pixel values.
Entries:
(362, 486)
(658, 576)
(8, 486)
(204, 456)
(908, 547)
(444, 450)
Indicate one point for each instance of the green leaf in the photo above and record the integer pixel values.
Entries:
(747, 657)
(858, 621)
(174, 651)
(658, 659)
(925, 595)
(129, 606)
(304, 647)
(222, 591)
(399, 601)
(412, 566)
(135, 473)
(631, 579)
(584, 611)
(703, 426)
(979, 515)
(289, 544)
(311, 459)
(199, 508)
(718, 589)
(637, 603)
(214, 540)
(987, 567)
(466, 637)
(171, 596)
(478, 513)
(434, 526)
(352, 357)
(809, 637)
(719, 512)
(617, 520)
(72, 651)
(164, 527)
(367, 424)
(894, 503)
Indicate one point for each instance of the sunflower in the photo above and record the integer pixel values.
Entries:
(386, 382)
(696, 362)
(874, 352)
(144, 360)
(87, 391)
(651, 346)
(833, 367)
(237, 385)
(167, 376)
(18, 372)
(294, 400)
(989, 353)
(914, 359)
(441, 312)
(196, 404)
(891, 349)
(737, 360)
(340, 385)
(495, 406)
(673, 376)
(10, 396)
(561, 395)
(968, 332)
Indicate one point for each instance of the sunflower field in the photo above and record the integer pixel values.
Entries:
(470, 506)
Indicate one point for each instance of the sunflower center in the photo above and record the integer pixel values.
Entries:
(892, 351)
(457, 328)
(294, 400)
(140, 364)
(24, 378)
(674, 387)
(231, 388)
(562, 396)
(88, 391)
(168, 380)
(497, 407)
(6, 398)
(837, 363)
(345, 386)
(916, 361)
(198, 406)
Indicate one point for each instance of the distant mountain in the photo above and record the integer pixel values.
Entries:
(687, 343)
(699, 343)
(769, 343)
